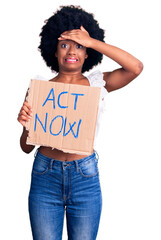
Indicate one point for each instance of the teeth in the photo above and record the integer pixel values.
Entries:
(71, 60)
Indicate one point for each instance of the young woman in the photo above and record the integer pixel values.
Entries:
(71, 43)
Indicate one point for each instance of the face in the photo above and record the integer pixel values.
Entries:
(71, 55)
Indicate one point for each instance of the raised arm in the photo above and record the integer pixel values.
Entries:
(131, 67)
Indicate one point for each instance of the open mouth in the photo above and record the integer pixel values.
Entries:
(71, 60)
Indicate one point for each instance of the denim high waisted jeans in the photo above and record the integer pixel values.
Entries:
(72, 187)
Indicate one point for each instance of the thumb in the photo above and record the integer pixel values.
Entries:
(83, 29)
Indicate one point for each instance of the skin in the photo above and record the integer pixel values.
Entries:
(72, 46)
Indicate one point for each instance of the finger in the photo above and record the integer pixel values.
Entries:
(26, 110)
(83, 29)
(23, 113)
(71, 36)
(65, 36)
(27, 105)
(23, 123)
(23, 117)
(61, 38)
(22, 120)
(71, 31)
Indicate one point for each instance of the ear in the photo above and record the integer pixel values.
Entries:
(56, 54)
(86, 56)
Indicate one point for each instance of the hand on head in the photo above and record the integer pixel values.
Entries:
(80, 36)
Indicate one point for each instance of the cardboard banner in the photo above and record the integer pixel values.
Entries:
(64, 116)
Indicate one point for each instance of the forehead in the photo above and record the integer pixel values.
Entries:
(67, 41)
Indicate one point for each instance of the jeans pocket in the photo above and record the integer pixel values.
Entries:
(39, 166)
(90, 168)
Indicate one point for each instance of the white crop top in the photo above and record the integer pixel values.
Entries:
(96, 80)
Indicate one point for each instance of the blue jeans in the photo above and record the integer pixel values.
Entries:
(72, 187)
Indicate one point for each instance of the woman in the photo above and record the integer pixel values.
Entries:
(72, 43)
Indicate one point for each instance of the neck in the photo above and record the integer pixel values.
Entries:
(70, 77)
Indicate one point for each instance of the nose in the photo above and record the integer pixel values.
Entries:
(72, 50)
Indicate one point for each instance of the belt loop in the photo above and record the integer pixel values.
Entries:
(51, 164)
(35, 152)
(76, 164)
(96, 154)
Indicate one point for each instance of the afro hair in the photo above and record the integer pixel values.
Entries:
(69, 18)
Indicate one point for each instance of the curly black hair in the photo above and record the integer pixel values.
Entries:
(69, 18)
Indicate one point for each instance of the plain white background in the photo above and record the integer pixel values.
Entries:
(130, 134)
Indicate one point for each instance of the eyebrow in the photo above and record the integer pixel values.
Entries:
(68, 40)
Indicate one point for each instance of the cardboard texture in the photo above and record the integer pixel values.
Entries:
(64, 116)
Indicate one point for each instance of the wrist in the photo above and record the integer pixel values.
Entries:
(91, 43)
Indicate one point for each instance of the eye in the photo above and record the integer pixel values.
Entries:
(64, 45)
(79, 46)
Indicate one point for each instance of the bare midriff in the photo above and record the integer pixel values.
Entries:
(60, 155)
